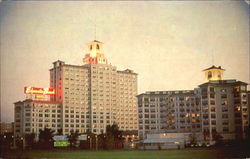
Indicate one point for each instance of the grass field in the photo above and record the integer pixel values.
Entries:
(81, 154)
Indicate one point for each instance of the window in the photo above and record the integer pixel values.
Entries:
(237, 101)
(223, 90)
(211, 89)
(204, 96)
(224, 96)
(209, 75)
(219, 75)
(237, 115)
(212, 109)
(225, 122)
(146, 99)
(224, 102)
(224, 116)
(243, 88)
(225, 129)
(152, 116)
(152, 99)
(212, 102)
(211, 95)
(236, 89)
(213, 116)
(97, 47)
(213, 122)
(224, 109)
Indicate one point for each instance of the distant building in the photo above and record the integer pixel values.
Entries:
(87, 97)
(217, 108)
(32, 116)
(224, 109)
(172, 140)
(248, 102)
(184, 112)
(6, 128)
(168, 111)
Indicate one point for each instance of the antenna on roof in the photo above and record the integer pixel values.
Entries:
(213, 57)
(95, 32)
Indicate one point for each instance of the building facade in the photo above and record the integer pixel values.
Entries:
(216, 108)
(32, 116)
(89, 97)
(168, 111)
(224, 109)
(6, 127)
(183, 112)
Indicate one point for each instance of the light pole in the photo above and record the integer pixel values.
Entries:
(96, 142)
(90, 142)
(23, 142)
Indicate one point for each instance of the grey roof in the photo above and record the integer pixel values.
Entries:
(163, 140)
(224, 82)
(98, 41)
(214, 67)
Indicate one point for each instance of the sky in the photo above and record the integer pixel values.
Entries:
(168, 43)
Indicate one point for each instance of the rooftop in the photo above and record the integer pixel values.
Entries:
(225, 82)
(214, 67)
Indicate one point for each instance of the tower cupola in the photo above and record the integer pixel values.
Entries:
(213, 73)
(95, 53)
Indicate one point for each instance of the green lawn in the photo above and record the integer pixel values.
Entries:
(82, 154)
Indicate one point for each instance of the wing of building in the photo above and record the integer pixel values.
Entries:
(87, 97)
(216, 107)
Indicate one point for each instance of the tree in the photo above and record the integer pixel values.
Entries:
(6, 142)
(89, 143)
(113, 136)
(30, 139)
(114, 131)
(73, 138)
(19, 142)
(101, 140)
(46, 138)
(217, 137)
(193, 139)
(59, 131)
(247, 132)
(206, 135)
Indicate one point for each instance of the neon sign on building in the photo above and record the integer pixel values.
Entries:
(39, 91)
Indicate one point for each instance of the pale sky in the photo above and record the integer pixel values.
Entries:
(167, 43)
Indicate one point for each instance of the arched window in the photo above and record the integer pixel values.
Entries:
(90, 47)
(219, 75)
(97, 46)
(209, 75)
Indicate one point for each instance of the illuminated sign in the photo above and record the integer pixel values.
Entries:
(40, 96)
(82, 137)
(34, 90)
(61, 143)
(60, 138)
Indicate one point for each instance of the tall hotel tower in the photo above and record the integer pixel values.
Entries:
(96, 94)
(89, 97)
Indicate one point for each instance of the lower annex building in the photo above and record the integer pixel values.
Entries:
(81, 98)
(216, 107)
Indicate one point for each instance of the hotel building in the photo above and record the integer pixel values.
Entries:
(87, 97)
(217, 107)
(224, 106)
